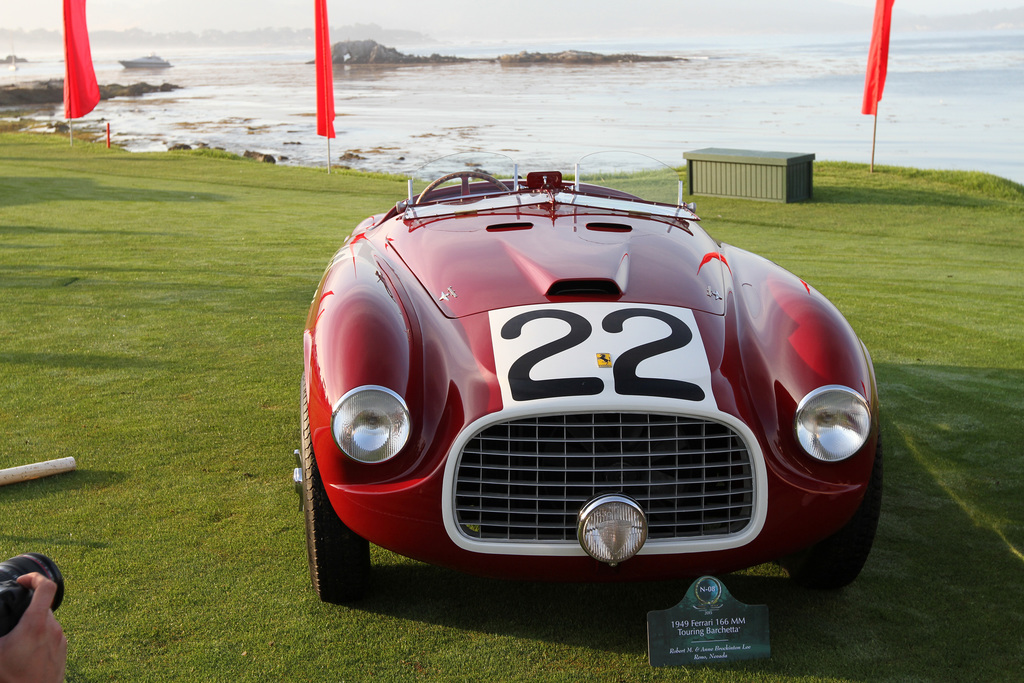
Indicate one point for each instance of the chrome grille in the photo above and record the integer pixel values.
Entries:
(525, 480)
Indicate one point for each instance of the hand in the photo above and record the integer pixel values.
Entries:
(36, 650)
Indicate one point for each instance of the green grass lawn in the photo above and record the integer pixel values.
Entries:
(151, 312)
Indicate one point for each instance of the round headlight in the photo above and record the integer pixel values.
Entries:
(612, 528)
(370, 424)
(832, 423)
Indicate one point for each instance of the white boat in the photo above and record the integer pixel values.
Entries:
(150, 62)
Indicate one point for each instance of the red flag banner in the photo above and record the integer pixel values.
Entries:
(81, 92)
(878, 57)
(324, 74)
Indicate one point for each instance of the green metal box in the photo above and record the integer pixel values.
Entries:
(767, 176)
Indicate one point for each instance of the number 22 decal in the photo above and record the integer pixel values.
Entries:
(626, 380)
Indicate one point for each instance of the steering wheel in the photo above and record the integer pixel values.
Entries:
(465, 176)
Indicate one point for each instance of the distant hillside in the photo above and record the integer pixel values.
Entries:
(1004, 19)
(723, 17)
(281, 37)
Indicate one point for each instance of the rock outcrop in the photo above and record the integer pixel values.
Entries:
(52, 92)
(372, 52)
(259, 156)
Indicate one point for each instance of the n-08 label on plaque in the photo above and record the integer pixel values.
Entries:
(707, 626)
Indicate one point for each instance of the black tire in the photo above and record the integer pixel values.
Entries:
(836, 561)
(339, 560)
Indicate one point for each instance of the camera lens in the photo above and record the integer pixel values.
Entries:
(14, 598)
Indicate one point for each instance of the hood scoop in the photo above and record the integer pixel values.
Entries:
(584, 288)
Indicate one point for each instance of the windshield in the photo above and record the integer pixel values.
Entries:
(487, 163)
(636, 174)
(481, 174)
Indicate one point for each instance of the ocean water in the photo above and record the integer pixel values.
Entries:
(952, 101)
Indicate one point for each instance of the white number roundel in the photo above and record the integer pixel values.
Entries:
(602, 351)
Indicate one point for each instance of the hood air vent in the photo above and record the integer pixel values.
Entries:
(501, 227)
(584, 288)
(609, 227)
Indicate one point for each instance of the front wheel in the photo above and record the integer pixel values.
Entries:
(339, 560)
(836, 561)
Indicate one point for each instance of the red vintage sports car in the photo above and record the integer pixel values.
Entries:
(544, 378)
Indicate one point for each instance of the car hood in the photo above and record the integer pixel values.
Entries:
(478, 263)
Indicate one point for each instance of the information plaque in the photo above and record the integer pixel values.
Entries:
(707, 626)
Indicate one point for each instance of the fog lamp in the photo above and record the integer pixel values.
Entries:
(370, 424)
(611, 528)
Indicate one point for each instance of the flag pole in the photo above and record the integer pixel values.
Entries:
(81, 92)
(874, 134)
(878, 65)
(324, 77)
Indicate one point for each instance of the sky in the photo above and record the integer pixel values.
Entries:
(442, 18)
